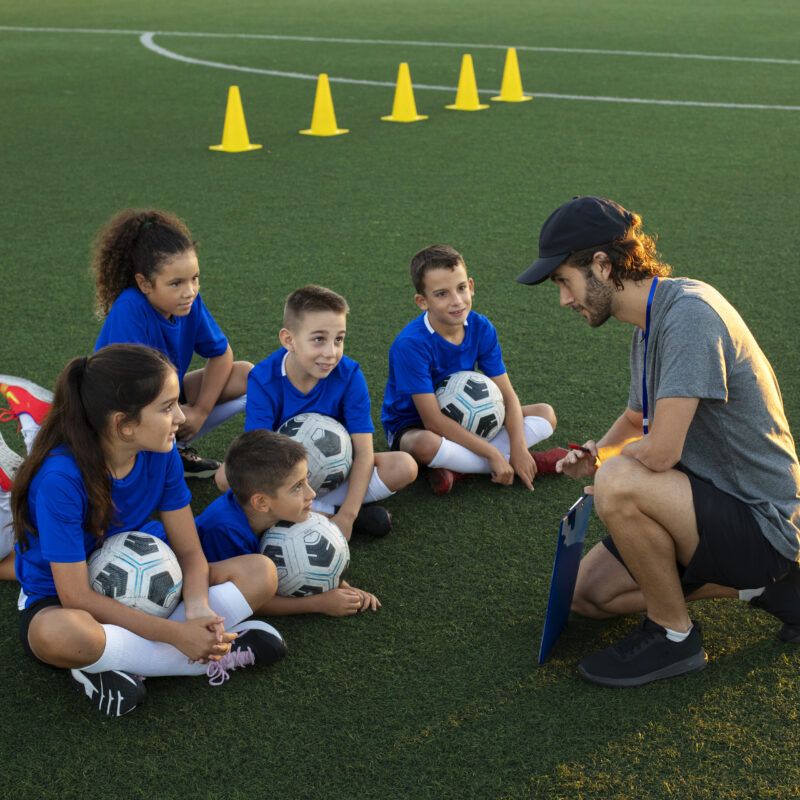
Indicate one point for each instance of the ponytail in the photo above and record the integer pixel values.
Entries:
(118, 378)
(134, 242)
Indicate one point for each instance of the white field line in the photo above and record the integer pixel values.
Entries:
(411, 43)
(146, 38)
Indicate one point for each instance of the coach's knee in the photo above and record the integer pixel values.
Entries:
(615, 485)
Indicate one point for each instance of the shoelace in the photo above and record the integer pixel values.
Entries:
(7, 415)
(636, 640)
(217, 671)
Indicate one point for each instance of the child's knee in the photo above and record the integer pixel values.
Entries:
(397, 470)
(66, 636)
(422, 445)
(543, 410)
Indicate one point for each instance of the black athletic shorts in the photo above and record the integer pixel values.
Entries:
(732, 550)
(25, 618)
(401, 432)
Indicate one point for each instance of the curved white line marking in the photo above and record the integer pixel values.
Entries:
(147, 40)
(526, 48)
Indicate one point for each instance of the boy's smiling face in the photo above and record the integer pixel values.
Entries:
(316, 345)
(447, 297)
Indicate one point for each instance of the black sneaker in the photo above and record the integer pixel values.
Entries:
(114, 692)
(196, 467)
(373, 520)
(643, 656)
(258, 644)
(782, 600)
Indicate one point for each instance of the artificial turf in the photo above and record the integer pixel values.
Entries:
(438, 694)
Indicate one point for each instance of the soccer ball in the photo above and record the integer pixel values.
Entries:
(311, 556)
(139, 570)
(474, 401)
(328, 446)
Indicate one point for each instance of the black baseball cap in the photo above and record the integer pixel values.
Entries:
(579, 223)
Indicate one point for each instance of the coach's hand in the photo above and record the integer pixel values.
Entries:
(578, 464)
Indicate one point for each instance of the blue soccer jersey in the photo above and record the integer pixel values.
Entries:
(272, 398)
(420, 358)
(58, 506)
(133, 320)
(224, 529)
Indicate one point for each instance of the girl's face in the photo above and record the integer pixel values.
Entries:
(158, 421)
(174, 287)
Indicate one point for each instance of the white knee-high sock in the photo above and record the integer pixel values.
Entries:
(451, 455)
(377, 490)
(132, 653)
(28, 427)
(221, 413)
(225, 600)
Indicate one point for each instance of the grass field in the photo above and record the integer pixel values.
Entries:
(438, 695)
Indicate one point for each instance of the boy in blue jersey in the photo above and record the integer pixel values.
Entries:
(310, 373)
(449, 337)
(267, 474)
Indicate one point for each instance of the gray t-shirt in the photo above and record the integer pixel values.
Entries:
(739, 439)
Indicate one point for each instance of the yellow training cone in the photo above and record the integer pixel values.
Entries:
(404, 108)
(511, 90)
(467, 95)
(234, 134)
(323, 120)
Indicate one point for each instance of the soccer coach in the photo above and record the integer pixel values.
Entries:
(701, 495)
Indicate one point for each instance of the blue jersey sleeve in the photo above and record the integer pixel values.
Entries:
(412, 366)
(260, 411)
(224, 530)
(209, 340)
(128, 322)
(61, 508)
(490, 357)
(356, 405)
(176, 493)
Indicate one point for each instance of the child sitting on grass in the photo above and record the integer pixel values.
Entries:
(449, 337)
(267, 475)
(148, 290)
(311, 374)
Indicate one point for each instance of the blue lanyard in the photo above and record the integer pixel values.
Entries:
(645, 419)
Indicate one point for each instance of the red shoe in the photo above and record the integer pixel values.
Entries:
(9, 464)
(546, 462)
(26, 397)
(441, 480)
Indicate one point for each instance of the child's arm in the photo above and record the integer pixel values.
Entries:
(433, 420)
(520, 458)
(339, 602)
(195, 638)
(358, 482)
(215, 376)
(185, 543)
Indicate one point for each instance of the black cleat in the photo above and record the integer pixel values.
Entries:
(196, 467)
(258, 644)
(113, 692)
(373, 520)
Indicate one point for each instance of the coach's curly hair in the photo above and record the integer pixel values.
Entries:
(134, 241)
(633, 257)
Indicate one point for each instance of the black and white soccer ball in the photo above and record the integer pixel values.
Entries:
(311, 556)
(139, 570)
(328, 447)
(473, 401)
